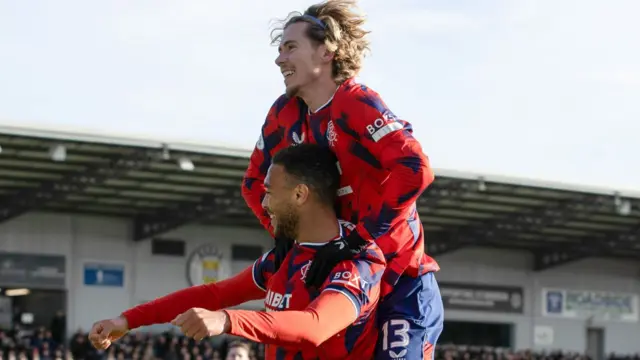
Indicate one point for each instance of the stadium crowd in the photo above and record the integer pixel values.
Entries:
(41, 344)
(20, 344)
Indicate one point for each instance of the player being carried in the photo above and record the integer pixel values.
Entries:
(332, 322)
(384, 170)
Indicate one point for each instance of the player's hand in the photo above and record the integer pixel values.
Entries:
(280, 251)
(330, 255)
(105, 332)
(199, 323)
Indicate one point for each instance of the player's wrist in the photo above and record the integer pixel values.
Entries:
(226, 327)
(121, 322)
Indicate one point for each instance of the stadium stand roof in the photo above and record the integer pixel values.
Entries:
(162, 187)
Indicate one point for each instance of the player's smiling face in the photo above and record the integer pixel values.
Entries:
(301, 61)
(279, 202)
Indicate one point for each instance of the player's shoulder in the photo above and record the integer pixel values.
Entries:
(267, 255)
(353, 87)
(372, 252)
(284, 102)
(362, 273)
(371, 255)
(266, 258)
(346, 227)
(263, 269)
(356, 98)
(353, 92)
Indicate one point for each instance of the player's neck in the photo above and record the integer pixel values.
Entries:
(319, 93)
(319, 227)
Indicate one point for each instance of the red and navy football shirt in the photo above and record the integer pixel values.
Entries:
(358, 279)
(383, 170)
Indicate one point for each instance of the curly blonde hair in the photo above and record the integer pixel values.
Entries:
(337, 25)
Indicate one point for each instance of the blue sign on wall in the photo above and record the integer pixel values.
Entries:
(103, 275)
(555, 302)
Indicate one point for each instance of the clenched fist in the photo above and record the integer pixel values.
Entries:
(199, 323)
(104, 332)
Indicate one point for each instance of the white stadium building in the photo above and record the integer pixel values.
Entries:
(94, 225)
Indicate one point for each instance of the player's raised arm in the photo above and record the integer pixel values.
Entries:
(270, 140)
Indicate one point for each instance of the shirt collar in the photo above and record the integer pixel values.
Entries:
(314, 245)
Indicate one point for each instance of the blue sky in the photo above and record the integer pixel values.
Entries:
(546, 89)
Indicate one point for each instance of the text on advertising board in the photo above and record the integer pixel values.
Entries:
(582, 304)
(37, 271)
(476, 297)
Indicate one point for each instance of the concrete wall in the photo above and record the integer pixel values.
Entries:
(502, 267)
(84, 238)
(105, 240)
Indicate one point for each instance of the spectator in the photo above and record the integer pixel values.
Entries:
(21, 343)
(80, 346)
(238, 350)
(59, 327)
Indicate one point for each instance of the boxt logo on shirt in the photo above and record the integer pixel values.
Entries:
(384, 126)
(349, 279)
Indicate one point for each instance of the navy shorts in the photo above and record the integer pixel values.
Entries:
(411, 318)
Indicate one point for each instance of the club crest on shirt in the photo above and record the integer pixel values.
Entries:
(332, 135)
(304, 269)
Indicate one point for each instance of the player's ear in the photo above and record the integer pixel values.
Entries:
(301, 194)
(325, 55)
